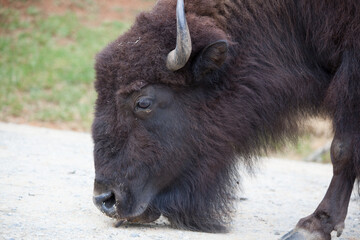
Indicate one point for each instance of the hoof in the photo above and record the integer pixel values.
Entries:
(302, 234)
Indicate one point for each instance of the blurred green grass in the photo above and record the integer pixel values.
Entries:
(46, 72)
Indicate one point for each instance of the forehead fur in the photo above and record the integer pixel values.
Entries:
(138, 57)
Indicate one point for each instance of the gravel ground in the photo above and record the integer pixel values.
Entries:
(46, 179)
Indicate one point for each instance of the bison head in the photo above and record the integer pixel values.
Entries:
(159, 147)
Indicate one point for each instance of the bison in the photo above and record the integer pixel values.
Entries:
(182, 99)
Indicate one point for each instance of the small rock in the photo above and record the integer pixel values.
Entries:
(134, 235)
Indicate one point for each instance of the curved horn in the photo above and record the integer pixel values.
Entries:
(178, 57)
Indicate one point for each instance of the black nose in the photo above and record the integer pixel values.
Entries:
(105, 202)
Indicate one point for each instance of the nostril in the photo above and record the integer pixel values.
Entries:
(106, 203)
(99, 199)
(110, 202)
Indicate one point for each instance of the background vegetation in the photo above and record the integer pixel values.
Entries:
(47, 50)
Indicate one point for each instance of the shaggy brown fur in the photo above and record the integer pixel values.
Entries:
(286, 59)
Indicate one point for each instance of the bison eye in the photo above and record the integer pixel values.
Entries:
(143, 103)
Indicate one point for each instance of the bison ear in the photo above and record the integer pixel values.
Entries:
(210, 59)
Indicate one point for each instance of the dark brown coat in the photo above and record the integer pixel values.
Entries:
(284, 60)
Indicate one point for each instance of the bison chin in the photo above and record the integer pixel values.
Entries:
(125, 204)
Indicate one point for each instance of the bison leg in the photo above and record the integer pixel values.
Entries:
(331, 212)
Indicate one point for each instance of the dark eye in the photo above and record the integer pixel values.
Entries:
(143, 103)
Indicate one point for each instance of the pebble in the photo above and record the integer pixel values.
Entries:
(134, 235)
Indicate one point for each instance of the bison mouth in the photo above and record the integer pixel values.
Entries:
(115, 207)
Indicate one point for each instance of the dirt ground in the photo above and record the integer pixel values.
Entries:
(46, 179)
